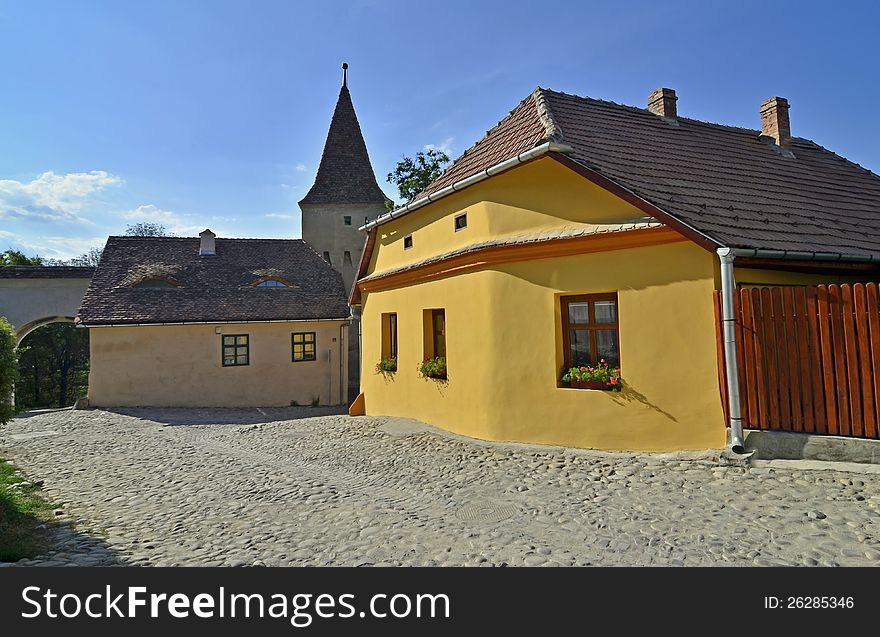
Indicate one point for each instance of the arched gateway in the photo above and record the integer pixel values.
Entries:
(33, 296)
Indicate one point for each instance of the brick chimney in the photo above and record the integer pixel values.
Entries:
(206, 243)
(774, 120)
(662, 102)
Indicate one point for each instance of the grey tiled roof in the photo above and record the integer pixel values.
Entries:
(45, 272)
(728, 183)
(215, 288)
(344, 174)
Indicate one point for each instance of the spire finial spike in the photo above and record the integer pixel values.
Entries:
(345, 74)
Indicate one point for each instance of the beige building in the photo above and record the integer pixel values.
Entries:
(189, 322)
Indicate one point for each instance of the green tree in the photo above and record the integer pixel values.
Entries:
(146, 229)
(16, 257)
(89, 259)
(8, 370)
(53, 366)
(413, 175)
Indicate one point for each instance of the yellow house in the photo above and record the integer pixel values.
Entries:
(579, 230)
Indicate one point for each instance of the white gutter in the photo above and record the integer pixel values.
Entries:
(334, 320)
(532, 153)
(728, 290)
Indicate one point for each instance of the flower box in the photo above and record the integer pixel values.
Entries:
(589, 384)
(433, 368)
(602, 377)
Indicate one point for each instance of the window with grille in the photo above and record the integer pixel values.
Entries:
(303, 344)
(590, 329)
(236, 350)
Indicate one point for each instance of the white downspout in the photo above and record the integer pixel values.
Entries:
(728, 289)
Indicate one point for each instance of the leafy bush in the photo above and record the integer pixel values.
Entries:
(602, 373)
(8, 370)
(433, 368)
(386, 366)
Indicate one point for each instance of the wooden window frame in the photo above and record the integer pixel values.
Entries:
(408, 239)
(246, 346)
(389, 335)
(434, 335)
(591, 326)
(305, 341)
(455, 222)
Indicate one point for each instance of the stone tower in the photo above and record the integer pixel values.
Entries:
(345, 192)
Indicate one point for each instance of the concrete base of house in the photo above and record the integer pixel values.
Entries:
(784, 445)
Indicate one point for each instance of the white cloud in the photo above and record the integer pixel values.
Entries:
(52, 197)
(52, 247)
(445, 147)
(275, 215)
(301, 168)
(149, 212)
(175, 223)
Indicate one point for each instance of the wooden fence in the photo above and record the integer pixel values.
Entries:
(807, 358)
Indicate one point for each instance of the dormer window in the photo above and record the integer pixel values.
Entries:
(155, 283)
(272, 282)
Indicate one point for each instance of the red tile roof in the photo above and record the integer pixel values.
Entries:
(730, 184)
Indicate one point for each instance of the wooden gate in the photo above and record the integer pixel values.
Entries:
(807, 358)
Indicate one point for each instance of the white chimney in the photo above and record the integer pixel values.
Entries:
(206, 245)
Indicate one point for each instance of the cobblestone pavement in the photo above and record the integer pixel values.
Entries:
(303, 486)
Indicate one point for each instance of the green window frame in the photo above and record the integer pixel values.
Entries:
(303, 346)
(235, 350)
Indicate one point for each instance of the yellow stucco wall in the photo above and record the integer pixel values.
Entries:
(180, 365)
(504, 345)
(536, 197)
(503, 331)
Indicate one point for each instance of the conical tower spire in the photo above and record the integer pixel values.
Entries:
(344, 174)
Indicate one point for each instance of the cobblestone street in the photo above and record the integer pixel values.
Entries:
(304, 486)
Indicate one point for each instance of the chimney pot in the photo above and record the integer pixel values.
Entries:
(206, 243)
(775, 122)
(662, 102)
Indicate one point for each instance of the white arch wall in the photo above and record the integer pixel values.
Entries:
(29, 303)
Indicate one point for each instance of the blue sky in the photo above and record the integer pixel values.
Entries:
(209, 113)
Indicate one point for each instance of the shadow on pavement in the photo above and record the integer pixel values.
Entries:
(225, 416)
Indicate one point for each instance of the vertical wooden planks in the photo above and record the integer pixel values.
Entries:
(752, 419)
(873, 303)
(860, 306)
(828, 367)
(848, 318)
(816, 372)
(809, 358)
(789, 321)
(761, 380)
(836, 320)
(770, 359)
(805, 369)
(781, 347)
